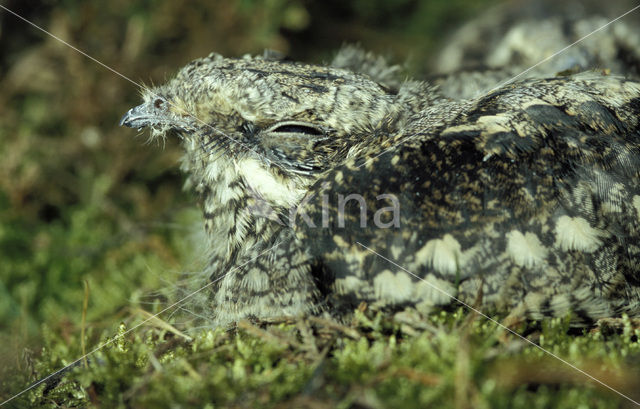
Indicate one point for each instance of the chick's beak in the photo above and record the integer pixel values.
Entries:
(136, 117)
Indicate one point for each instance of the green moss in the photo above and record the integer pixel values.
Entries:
(471, 364)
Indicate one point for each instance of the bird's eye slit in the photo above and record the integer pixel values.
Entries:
(158, 103)
(297, 128)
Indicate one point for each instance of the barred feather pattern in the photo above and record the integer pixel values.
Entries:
(524, 201)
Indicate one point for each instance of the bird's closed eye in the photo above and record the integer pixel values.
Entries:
(296, 128)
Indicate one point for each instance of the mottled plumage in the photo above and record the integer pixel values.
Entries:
(524, 201)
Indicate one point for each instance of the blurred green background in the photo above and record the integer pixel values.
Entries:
(84, 202)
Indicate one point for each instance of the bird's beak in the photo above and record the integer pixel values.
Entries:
(136, 117)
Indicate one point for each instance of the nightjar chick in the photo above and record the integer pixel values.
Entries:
(525, 201)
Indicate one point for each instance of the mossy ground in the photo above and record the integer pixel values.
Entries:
(451, 359)
(89, 214)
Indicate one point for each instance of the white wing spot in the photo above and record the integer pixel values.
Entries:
(393, 287)
(525, 250)
(349, 284)
(442, 254)
(575, 233)
(434, 291)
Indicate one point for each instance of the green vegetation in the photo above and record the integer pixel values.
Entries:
(85, 205)
(452, 360)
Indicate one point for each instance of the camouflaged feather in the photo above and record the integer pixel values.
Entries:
(525, 200)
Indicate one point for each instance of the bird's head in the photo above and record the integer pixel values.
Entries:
(276, 124)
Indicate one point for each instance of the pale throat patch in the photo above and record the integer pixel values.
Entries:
(268, 185)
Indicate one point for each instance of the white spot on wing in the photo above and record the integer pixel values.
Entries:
(441, 254)
(349, 284)
(575, 233)
(393, 287)
(525, 250)
(434, 291)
